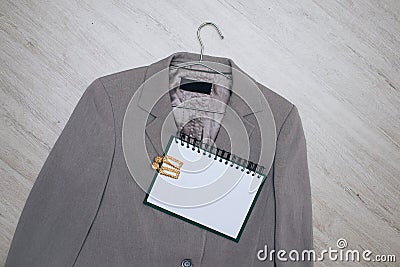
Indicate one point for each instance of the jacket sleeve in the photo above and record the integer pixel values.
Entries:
(293, 229)
(65, 197)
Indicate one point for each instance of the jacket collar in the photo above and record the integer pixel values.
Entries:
(156, 86)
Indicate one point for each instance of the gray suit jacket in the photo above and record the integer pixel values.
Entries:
(86, 210)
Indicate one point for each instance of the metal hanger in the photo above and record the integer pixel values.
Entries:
(200, 63)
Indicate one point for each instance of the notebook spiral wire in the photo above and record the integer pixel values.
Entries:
(212, 150)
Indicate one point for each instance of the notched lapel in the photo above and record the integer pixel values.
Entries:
(153, 129)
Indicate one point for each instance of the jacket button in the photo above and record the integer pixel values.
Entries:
(186, 263)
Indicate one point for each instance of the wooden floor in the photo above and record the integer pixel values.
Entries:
(338, 61)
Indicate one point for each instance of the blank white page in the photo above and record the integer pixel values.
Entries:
(208, 192)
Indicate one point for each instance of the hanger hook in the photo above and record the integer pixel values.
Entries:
(201, 42)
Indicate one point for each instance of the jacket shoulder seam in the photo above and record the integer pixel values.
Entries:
(284, 121)
(109, 100)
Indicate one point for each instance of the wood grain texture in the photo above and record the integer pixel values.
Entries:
(338, 61)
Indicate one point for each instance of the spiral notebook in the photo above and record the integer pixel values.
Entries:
(214, 189)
